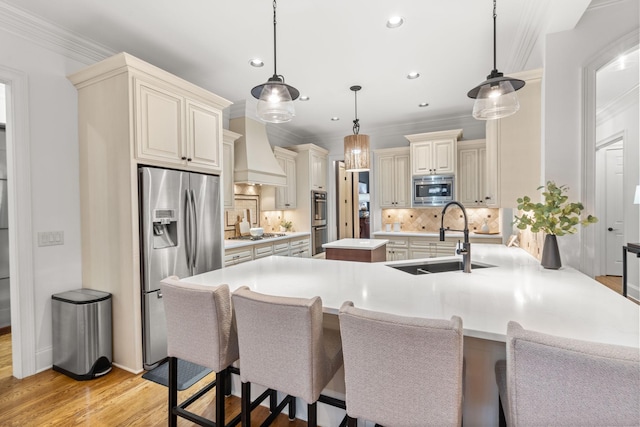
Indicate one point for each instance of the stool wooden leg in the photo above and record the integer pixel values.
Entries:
(292, 408)
(227, 385)
(352, 422)
(273, 400)
(173, 391)
(245, 404)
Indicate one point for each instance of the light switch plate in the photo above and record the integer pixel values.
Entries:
(50, 238)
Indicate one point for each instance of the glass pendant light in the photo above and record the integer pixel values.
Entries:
(275, 97)
(356, 146)
(496, 97)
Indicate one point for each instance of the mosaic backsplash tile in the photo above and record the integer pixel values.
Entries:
(428, 219)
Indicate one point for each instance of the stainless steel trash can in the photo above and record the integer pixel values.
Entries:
(82, 346)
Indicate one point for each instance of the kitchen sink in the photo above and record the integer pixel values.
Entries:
(436, 267)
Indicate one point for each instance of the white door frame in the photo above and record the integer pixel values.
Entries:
(590, 251)
(20, 226)
(616, 139)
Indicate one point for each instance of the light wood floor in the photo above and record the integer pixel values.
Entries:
(117, 399)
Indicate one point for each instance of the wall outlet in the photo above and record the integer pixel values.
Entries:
(50, 238)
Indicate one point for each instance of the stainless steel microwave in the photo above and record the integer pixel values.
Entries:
(432, 190)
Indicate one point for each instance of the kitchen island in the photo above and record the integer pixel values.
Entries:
(363, 250)
(561, 302)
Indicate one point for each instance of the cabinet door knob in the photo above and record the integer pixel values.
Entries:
(188, 159)
(183, 158)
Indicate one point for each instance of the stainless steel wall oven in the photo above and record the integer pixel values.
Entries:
(319, 234)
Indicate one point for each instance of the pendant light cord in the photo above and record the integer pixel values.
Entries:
(356, 123)
(275, 60)
(495, 69)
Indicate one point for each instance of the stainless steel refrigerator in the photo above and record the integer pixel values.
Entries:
(181, 235)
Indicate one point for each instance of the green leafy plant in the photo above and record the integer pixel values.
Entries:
(286, 224)
(555, 216)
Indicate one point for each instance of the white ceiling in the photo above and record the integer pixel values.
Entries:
(324, 47)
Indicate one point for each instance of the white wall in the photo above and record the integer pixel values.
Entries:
(52, 119)
(566, 54)
(3, 106)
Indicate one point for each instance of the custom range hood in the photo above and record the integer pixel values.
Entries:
(254, 160)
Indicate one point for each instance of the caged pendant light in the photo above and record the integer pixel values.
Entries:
(496, 97)
(356, 146)
(275, 97)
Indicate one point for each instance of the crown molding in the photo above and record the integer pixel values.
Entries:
(533, 22)
(50, 36)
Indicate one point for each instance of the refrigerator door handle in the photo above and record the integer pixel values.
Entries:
(187, 227)
(194, 230)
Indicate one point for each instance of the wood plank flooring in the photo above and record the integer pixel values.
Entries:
(117, 399)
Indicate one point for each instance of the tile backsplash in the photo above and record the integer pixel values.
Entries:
(428, 219)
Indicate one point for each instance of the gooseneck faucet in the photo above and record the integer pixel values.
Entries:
(466, 246)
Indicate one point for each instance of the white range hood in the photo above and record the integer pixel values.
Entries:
(254, 160)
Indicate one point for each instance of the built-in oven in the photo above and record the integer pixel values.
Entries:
(319, 233)
(318, 208)
(319, 236)
(432, 190)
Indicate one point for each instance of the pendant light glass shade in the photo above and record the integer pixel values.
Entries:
(275, 103)
(356, 147)
(356, 153)
(275, 97)
(495, 97)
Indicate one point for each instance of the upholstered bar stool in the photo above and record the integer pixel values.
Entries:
(549, 380)
(284, 346)
(201, 330)
(402, 371)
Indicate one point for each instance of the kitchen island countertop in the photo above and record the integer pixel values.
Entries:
(562, 302)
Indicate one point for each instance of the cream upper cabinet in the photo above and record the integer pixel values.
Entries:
(393, 178)
(174, 130)
(514, 147)
(227, 167)
(471, 176)
(434, 153)
(282, 197)
(319, 171)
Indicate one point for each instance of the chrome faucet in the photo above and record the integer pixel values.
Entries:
(466, 246)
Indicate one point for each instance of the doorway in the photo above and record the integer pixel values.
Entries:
(353, 203)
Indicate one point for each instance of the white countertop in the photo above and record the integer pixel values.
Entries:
(457, 234)
(361, 244)
(562, 302)
(231, 244)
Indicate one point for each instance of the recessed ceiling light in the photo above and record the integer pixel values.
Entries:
(335, 119)
(255, 62)
(413, 75)
(395, 22)
(304, 98)
(423, 104)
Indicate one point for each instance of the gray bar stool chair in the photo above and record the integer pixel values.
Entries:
(201, 330)
(284, 346)
(549, 380)
(402, 371)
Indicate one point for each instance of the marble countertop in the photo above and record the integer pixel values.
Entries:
(562, 302)
(231, 244)
(362, 244)
(456, 234)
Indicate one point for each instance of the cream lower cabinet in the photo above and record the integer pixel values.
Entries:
(471, 176)
(393, 177)
(175, 130)
(300, 247)
(398, 249)
(430, 247)
(132, 113)
(237, 256)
